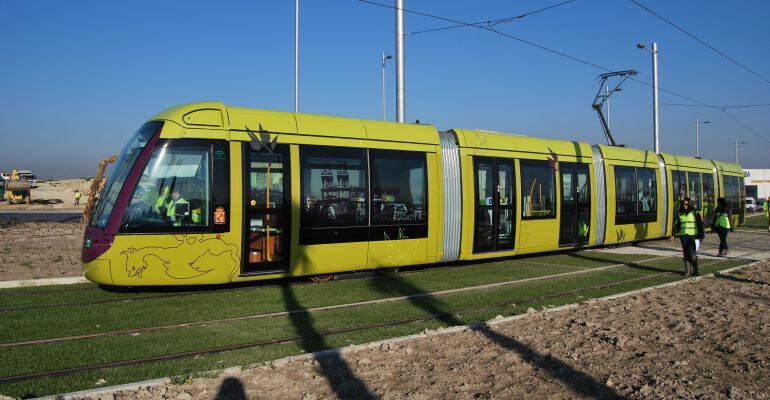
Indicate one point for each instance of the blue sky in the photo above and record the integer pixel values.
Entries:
(77, 78)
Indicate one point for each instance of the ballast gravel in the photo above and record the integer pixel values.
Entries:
(705, 339)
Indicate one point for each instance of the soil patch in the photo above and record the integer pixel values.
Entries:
(34, 250)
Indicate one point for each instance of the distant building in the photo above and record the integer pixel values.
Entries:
(757, 183)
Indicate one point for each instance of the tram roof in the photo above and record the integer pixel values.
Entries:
(514, 142)
(216, 115)
(676, 160)
(628, 154)
(732, 168)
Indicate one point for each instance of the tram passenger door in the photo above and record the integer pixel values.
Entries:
(575, 204)
(267, 208)
(494, 215)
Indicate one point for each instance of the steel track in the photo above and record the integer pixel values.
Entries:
(288, 339)
(314, 309)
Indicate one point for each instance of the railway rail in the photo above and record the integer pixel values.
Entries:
(442, 315)
(323, 334)
(314, 309)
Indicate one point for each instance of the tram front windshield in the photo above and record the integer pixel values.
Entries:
(123, 166)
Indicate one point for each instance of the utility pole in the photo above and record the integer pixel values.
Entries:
(654, 52)
(655, 95)
(737, 142)
(382, 61)
(400, 61)
(697, 135)
(296, 56)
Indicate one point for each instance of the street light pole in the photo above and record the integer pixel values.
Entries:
(296, 56)
(654, 52)
(697, 135)
(737, 142)
(384, 57)
(400, 60)
(655, 95)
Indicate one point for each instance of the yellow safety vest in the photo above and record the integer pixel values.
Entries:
(767, 215)
(687, 224)
(723, 220)
(583, 229)
(162, 198)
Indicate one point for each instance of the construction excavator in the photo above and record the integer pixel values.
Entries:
(17, 189)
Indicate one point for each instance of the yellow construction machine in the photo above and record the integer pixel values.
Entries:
(17, 189)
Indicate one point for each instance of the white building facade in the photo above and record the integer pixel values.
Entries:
(757, 183)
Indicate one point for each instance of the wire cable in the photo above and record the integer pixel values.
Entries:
(493, 22)
(720, 107)
(573, 58)
(714, 49)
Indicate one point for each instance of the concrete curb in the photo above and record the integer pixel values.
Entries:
(370, 345)
(70, 280)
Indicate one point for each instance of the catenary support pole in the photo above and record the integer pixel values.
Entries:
(655, 95)
(400, 91)
(296, 55)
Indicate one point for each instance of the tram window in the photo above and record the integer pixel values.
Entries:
(708, 198)
(173, 192)
(694, 190)
(334, 187)
(538, 189)
(679, 186)
(398, 187)
(625, 191)
(647, 190)
(636, 195)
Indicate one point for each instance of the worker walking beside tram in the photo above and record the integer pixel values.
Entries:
(767, 212)
(688, 225)
(721, 225)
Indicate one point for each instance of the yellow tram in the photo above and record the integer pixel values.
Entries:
(207, 194)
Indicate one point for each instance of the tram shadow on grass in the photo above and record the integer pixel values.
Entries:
(339, 375)
(578, 381)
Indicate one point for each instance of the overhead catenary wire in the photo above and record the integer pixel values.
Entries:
(726, 107)
(712, 48)
(493, 22)
(573, 58)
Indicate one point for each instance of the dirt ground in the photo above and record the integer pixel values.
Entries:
(34, 250)
(707, 339)
(54, 195)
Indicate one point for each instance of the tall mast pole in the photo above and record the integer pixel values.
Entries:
(400, 60)
(296, 55)
(655, 95)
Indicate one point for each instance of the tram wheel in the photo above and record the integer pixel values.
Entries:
(387, 271)
(322, 278)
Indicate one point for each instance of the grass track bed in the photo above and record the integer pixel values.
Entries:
(247, 356)
(197, 307)
(101, 350)
(24, 324)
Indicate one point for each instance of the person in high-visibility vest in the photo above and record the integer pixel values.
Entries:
(688, 225)
(767, 212)
(77, 197)
(721, 225)
(172, 216)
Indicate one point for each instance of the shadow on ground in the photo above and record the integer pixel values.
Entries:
(339, 375)
(578, 381)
